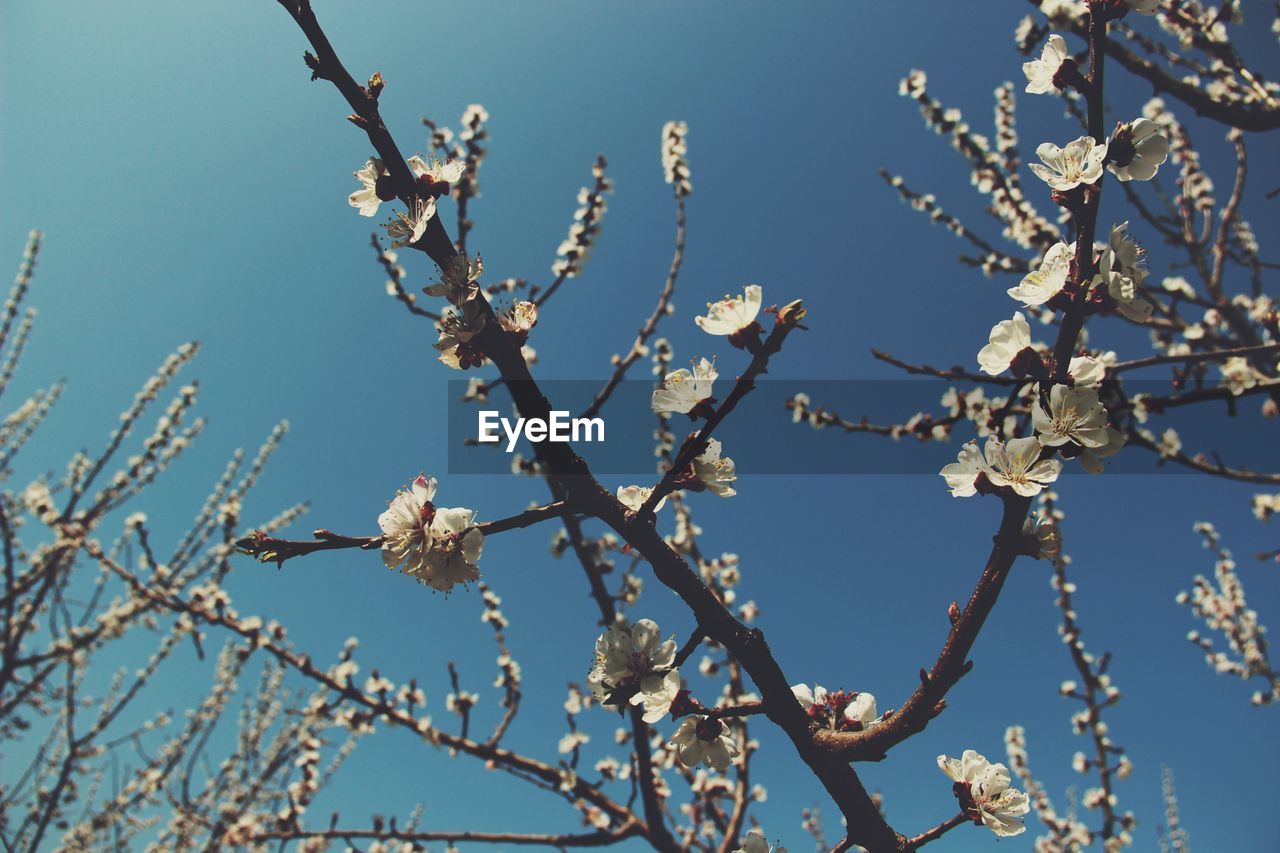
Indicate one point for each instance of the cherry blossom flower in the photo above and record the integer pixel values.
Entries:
(1067, 168)
(407, 229)
(1041, 72)
(734, 315)
(984, 793)
(837, 710)
(436, 545)
(1072, 415)
(572, 741)
(1086, 371)
(1041, 285)
(437, 175)
(367, 199)
(1238, 375)
(755, 842)
(519, 319)
(962, 475)
(1018, 465)
(633, 497)
(634, 659)
(457, 331)
(715, 472)
(1120, 270)
(1137, 149)
(453, 551)
(1091, 457)
(1169, 443)
(459, 281)
(687, 392)
(1007, 341)
(704, 740)
(404, 524)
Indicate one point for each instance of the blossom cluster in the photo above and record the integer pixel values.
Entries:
(688, 391)
(576, 248)
(1221, 604)
(675, 165)
(983, 790)
(438, 546)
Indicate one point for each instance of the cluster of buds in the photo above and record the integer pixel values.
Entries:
(837, 710)
(675, 168)
(576, 248)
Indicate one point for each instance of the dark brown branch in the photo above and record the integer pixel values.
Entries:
(658, 834)
(937, 832)
(403, 296)
(268, 549)
(771, 346)
(1246, 117)
(551, 776)
(948, 373)
(1196, 357)
(746, 709)
(567, 471)
(1201, 464)
(929, 698)
(583, 839)
(690, 646)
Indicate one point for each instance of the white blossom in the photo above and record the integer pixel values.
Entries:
(436, 171)
(984, 793)
(682, 390)
(1072, 415)
(1040, 72)
(962, 475)
(407, 229)
(1086, 371)
(1121, 271)
(1067, 168)
(1091, 457)
(457, 331)
(732, 314)
(1018, 465)
(716, 472)
(1007, 339)
(1041, 285)
(572, 741)
(519, 318)
(1238, 375)
(366, 198)
(403, 530)
(459, 280)
(839, 710)
(704, 740)
(1150, 149)
(633, 497)
(635, 657)
(755, 842)
(436, 545)
(455, 548)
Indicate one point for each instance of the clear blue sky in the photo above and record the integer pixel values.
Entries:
(192, 183)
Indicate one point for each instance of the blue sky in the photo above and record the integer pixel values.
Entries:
(192, 183)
